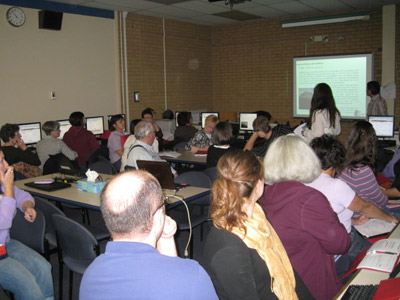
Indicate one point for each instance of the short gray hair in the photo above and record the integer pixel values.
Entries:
(50, 126)
(142, 129)
(290, 158)
(128, 203)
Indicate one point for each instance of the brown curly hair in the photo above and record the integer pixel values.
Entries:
(238, 174)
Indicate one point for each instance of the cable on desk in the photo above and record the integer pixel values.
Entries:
(182, 199)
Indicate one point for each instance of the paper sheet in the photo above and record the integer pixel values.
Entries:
(375, 227)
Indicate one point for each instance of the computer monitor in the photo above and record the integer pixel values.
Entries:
(204, 115)
(383, 125)
(196, 116)
(246, 121)
(110, 116)
(64, 127)
(95, 124)
(30, 132)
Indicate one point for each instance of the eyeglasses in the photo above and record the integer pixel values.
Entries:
(164, 202)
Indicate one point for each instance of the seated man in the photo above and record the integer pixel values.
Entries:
(141, 260)
(142, 148)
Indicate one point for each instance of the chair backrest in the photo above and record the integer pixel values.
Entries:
(49, 210)
(194, 178)
(30, 234)
(180, 145)
(211, 173)
(102, 166)
(76, 242)
(99, 152)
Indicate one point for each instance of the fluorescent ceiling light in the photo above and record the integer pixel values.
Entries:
(325, 20)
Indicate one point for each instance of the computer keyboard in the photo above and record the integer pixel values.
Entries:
(386, 143)
(361, 292)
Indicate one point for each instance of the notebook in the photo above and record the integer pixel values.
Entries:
(160, 170)
(55, 186)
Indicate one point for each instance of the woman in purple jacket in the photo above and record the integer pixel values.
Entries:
(24, 272)
(302, 216)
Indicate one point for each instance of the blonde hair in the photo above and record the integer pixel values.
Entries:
(290, 158)
(238, 174)
(211, 118)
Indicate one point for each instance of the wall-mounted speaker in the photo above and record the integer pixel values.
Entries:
(51, 20)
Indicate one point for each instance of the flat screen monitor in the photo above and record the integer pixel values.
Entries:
(196, 116)
(64, 127)
(383, 125)
(95, 124)
(204, 115)
(246, 121)
(30, 132)
(109, 119)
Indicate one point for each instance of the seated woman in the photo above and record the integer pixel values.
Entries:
(17, 153)
(130, 141)
(167, 125)
(203, 139)
(24, 272)
(221, 143)
(302, 216)
(361, 150)
(79, 139)
(52, 145)
(344, 201)
(185, 130)
(243, 254)
(117, 127)
(262, 131)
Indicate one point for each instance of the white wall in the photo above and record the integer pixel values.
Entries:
(79, 63)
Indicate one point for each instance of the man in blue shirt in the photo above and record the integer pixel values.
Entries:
(141, 262)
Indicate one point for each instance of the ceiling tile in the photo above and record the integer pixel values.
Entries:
(326, 5)
(175, 11)
(294, 7)
(136, 5)
(206, 8)
(266, 12)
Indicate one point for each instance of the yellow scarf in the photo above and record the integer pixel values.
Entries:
(263, 238)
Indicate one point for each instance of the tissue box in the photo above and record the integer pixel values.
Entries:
(91, 187)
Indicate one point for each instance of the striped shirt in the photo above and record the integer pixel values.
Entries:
(362, 180)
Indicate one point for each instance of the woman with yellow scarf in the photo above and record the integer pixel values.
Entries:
(243, 254)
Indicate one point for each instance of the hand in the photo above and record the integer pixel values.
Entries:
(194, 149)
(261, 134)
(30, 214)
(169, 229)
(21, 144)
(7, 177)
(359, 221)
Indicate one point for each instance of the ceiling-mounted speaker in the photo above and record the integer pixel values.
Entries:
(51, 20)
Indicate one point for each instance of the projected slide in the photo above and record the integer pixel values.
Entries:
(347, 75)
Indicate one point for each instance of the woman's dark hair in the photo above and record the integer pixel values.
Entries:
(323, 99)
(8, 131)
(184, 118)
(133, 125)
(147, 111)
(361, 146)
(222, 134)
(330, 152)
(76, 118)
(168, 115)
(114, 119)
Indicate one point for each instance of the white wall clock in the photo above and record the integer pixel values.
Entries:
(15, 16)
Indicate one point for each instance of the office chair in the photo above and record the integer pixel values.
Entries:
(96, 154)
(102, 166)
(211, 173)
(78, 248)
(30, 234)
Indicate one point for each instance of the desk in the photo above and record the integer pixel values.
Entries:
(364, 276)
(187, 157)
(71, 195)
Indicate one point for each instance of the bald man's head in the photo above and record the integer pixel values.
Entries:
(128, 202)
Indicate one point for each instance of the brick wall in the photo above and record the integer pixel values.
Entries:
(188, 64)
(241, 67)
